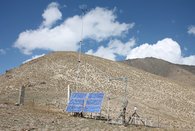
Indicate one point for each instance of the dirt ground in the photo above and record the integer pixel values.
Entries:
(160, 101)
(27, 118)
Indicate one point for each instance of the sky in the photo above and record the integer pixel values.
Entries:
(112, 29)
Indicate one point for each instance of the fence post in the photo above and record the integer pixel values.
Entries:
(69, 93)
(21, 95)
(108, 109)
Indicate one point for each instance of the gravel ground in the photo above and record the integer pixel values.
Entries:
(24, 118)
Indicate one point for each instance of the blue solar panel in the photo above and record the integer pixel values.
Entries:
(76, 102)
(92, 109)
(85, 102)
(78, 95)
(96, 95)
(94, 102)
(73, 108)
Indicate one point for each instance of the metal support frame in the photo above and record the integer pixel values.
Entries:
(125, 101)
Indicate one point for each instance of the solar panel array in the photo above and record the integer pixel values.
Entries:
(85, 102)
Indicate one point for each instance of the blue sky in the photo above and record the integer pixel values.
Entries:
(112, 29)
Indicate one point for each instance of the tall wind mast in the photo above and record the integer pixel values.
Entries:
(83, 10)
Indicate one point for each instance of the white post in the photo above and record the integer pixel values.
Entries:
(21, 96)
(69, 93)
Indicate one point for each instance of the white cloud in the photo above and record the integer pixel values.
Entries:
(33, 57)
(104, 52)
(2, 51)
(191, 30)
(51, 15)
(190, 60)
(114, 48)
(166, 49)
(99, 24)
(121, 48)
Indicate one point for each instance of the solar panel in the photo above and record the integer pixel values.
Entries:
(92, 109)
(78, 95)
(73, 108)
(76, 102)
(94, 102)
(85, 102)
(96, 95)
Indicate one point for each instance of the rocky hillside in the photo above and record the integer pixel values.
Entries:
(182, 74)
(46, 79)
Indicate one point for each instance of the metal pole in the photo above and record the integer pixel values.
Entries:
(125, 80)
(108, 110)
(80, 44)
(69, 93)
(80, 48)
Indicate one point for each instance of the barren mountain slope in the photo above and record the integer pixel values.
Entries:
(46, 81)
(188, 68)
(179, 73)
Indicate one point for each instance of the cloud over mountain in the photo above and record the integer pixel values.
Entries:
(33, 57)
(115, 47)
(166, 49)
(99, 24)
